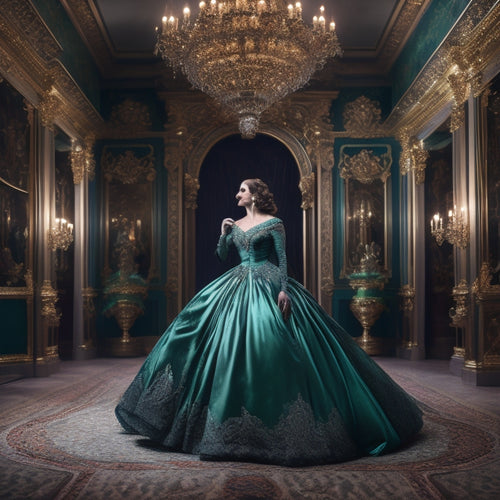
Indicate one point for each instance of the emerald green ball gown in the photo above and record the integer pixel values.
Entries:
(230, 379)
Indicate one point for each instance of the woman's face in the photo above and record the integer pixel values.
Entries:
(244, 196)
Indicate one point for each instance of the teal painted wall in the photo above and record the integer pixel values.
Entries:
(75, 56)
(153, 321)
(388, 323)
(14, 331)
(437, 21)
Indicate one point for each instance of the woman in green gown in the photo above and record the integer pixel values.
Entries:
(253, 369)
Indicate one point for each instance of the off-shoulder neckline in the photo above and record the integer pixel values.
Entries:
(273, 219)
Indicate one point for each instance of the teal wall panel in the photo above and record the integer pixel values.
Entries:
(75, 56)
(14, 329)
(437, 21)
(388, 323)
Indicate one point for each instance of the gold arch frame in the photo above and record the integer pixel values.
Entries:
(302, 125)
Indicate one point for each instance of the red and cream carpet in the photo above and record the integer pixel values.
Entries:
(59, 439)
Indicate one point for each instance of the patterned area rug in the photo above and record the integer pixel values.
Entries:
(65, 443)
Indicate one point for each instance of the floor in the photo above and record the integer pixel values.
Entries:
(431, 373)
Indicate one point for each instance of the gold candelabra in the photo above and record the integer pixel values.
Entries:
(456, 230)
(247, 54)
(61, 235)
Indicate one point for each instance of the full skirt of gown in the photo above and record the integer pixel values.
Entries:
(231, 380)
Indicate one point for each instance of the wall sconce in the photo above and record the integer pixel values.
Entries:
(61, 235)
(456, 231)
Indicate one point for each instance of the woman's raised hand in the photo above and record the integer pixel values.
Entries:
(226, 225)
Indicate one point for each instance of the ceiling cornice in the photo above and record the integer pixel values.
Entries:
(356, 64)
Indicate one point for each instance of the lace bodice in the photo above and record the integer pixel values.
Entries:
(261, 244)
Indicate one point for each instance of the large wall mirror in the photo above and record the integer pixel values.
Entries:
(365, 170)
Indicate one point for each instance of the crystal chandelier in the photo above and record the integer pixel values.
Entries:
(247, 54)
(61, 235)
(456, 231)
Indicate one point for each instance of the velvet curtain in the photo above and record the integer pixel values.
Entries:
(228, 163)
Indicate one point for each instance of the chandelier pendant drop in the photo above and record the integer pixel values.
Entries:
(247, 54)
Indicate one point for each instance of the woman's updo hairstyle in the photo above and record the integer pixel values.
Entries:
(262, 197)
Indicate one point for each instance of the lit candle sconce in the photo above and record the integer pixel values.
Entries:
(61, 235)
(456, 230)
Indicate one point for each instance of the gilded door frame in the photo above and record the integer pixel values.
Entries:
(302, 124)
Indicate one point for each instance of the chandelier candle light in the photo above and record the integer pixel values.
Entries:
(61, 235)
(247, 54)
(456, 231)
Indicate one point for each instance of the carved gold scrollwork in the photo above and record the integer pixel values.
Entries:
(306, 186)
(48, 297)
(127, 168)
(464, 79)
(49, 107)
(82, 160)
(362, 118)
(413, 156)
(407, 294)
(131, 115)
(482, 287)
(191, 187)
(460, 312)
(365, 166)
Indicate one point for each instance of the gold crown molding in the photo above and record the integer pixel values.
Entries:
(476, 36)
(29, 60)
(409, 15)
(128, 168)
(85, 15)
(21, 17)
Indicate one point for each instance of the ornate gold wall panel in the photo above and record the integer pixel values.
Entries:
(442, 83)
(196, 124)
(29, 59)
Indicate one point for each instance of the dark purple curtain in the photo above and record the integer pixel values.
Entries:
(228, 163)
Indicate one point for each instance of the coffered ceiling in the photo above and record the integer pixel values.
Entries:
(120, 35)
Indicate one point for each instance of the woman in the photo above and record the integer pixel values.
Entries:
(254, 369)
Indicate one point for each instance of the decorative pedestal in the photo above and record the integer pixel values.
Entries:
(367, 310)
(367, 305)
(124, 296)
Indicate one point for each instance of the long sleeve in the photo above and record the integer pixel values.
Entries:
(223, 246)
(278, 234)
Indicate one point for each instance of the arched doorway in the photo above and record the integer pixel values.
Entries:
(228, 162)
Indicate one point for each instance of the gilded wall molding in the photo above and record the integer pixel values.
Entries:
(307, 189)
(459, 313)
(473, 44)
(365, 166)
(195, 124)
(413, 156)
(407, 295)
(29, 60)
(83, 160)
(362, 118)
(127, 167)
(48, 300)
(482, 287)
(191, 187)
(132, 116)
